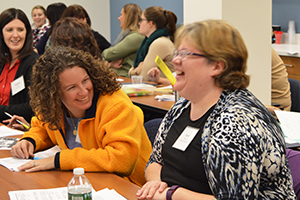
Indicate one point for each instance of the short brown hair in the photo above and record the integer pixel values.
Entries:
(45, 89)
(219, 41)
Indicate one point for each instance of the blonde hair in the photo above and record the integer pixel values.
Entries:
(219, 41)
(132, 15)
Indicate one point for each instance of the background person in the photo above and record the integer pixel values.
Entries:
(239, 145)
(159, 26)
(16, 60)
(123, 50)
(53, 12)
(89, 117)
(79, 12)
(40, 25)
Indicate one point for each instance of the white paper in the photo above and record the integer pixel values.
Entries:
(61, 194)
(5, 131)
(13, 163)
(120, 79)
(290, 123)
(7, 142)
(165, 97)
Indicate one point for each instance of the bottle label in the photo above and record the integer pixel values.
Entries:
(86, 196)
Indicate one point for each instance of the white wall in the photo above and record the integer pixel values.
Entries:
(253, 20)
(99, 11)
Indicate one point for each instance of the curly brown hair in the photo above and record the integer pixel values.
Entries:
(45, 88)
(71, 32)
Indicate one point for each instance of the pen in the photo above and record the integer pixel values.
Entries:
(34, 158)
(17, 120)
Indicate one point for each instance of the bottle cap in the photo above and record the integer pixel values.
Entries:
(78, 171)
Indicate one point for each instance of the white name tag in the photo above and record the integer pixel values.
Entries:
(17, 85)
(77, 138)
(185, 138)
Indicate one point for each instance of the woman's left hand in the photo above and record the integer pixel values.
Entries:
(117, 64)
(153, 190)
(38, 165)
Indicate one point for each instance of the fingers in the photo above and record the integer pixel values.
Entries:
(38, 165)
(149, 189)
(30, 166)
(23, 149)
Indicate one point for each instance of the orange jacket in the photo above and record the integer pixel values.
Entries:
(112, 136)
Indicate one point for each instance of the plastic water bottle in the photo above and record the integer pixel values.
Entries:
(79, 188)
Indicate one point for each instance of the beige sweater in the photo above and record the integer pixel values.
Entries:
(280, 85)
(164, 48)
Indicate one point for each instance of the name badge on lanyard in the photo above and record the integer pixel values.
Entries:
(185, 138)
(17, 85)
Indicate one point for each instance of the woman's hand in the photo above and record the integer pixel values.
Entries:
(38, 165)
(23, 149)
(14, 124)
(117, 64)
(152, 189)
(154, 74)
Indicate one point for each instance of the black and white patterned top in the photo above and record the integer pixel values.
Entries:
(243, 148)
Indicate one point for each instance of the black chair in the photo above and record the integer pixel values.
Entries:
(295, 94)
(151, 127)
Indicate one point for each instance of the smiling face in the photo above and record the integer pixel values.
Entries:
(76, 93)
(194, 74)
(39, 17)
(122, 18)
(14, 35)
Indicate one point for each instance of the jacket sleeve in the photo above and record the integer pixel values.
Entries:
(130, 44)
(119, 136)
(160, 47)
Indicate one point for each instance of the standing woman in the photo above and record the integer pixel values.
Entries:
(123, 51)
(40, 25)
(79, 12)
(16, 60)
(159, 26)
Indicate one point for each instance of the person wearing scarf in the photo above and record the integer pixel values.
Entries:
(159, 26)
(121, 54)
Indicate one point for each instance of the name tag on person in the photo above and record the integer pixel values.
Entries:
(17, 85)
(185, 138)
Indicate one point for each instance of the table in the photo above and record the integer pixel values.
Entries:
(55, 178)
(151, 107)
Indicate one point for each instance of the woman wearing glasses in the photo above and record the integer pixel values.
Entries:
(218, 141)
(159, 26)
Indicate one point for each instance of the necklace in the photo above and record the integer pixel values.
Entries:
(75, 127)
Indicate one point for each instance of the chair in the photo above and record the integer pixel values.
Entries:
(295, 94)
(151, 127)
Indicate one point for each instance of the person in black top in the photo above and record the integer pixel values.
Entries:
(79, 12)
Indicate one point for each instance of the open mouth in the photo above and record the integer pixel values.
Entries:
(84, 99)
(179, 72)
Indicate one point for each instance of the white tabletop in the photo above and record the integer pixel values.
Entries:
(287, 49)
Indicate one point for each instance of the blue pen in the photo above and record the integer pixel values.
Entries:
(34, 158)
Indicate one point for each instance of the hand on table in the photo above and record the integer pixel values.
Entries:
(23, 149)
(154, 74)
(38, 165)
(117, 64)
(153, 190)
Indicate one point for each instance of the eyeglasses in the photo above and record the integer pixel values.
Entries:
(183, 54)
(141, 19)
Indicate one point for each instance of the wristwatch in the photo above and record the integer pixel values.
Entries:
(171, 190)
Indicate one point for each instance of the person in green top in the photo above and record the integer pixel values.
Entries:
(122, 52)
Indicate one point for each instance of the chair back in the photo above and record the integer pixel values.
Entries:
(295, 94)
(151, 127)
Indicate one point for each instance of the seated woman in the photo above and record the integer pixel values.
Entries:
(40, 25)
(159, 26)
(89, 117)
(16, 60)
(218, 141)
(79, 12)
(123, 50)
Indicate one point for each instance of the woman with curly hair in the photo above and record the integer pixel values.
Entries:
(80, 107)
(72, 32)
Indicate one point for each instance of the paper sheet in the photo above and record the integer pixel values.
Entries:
(61, 194)
(12, 163)
(5, 131)
(290, 123)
